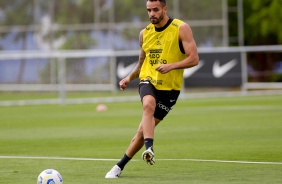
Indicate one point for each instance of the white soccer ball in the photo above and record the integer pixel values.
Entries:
(50, 176)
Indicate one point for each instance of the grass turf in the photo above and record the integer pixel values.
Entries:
(237, 129)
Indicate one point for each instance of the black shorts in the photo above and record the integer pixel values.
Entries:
(165, 100)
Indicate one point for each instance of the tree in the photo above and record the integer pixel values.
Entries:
(75, 12)
(262, 21)
(262, 26)
(18, 12)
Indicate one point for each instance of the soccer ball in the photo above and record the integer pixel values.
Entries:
(50, 176)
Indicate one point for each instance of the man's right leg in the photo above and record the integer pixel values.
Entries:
(145, 133)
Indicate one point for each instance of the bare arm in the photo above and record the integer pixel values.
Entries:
(189, 45)
(136, 71)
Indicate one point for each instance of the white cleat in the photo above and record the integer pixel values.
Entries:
(148, 156)
(114, 172)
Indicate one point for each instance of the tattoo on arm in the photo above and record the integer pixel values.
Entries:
(136, 71)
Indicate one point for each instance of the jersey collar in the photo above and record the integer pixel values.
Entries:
(165, 26)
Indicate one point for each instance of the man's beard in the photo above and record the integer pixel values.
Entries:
(157, 20)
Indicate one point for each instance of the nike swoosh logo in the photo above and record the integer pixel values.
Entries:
(218, 71)
(190, 71)
(123, 71)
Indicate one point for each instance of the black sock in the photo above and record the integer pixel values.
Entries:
(148, 142)
(123, 161)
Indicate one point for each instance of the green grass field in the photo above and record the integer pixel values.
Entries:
(233, 139)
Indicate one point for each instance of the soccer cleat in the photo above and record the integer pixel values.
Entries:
(114, 172)
(148, 156)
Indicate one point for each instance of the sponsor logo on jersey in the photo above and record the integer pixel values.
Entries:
(155, 51)
(174, 24)
(157, 61)
(156, 82)
(155, 55)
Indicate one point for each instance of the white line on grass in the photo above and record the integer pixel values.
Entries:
(104, 159)
(225, 161)
(57, 158)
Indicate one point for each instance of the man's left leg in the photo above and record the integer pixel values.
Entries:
(136, 144)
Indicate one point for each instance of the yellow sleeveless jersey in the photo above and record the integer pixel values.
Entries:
(162, 47)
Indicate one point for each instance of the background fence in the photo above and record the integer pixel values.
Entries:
(235, 71)
(64, 46)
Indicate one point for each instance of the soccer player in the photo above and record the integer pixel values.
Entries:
(167, 48)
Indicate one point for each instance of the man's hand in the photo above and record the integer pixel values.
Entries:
(164, 68)
(123, 83)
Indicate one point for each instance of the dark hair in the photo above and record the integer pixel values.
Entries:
(163, 2)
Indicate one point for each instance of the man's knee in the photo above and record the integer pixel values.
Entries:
(149, 103)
